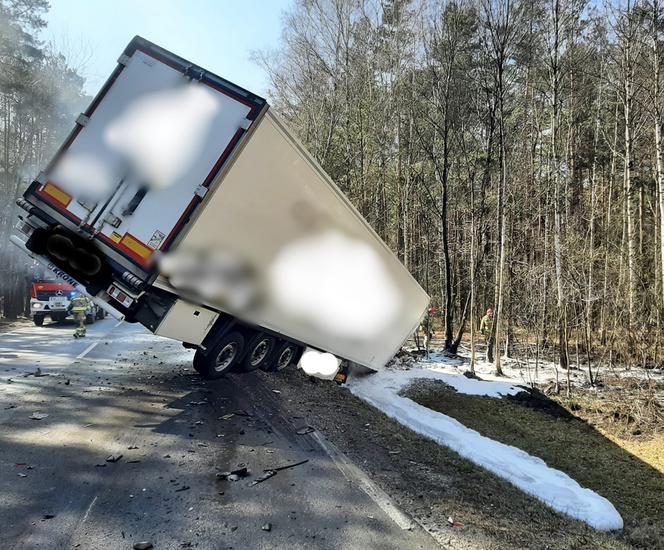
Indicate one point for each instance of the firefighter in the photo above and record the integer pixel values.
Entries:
(486, 325)
(79, 306)
(427, 328)
(486, 329)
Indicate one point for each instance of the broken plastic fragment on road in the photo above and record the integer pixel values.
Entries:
(234, 475)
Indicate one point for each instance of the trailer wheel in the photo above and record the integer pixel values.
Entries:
(259, 352)
(39, 320)
(285, 355)
(221, 358)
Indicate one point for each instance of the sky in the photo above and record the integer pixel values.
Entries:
(218, 35)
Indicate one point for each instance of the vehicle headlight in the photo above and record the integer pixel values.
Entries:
(36, 305)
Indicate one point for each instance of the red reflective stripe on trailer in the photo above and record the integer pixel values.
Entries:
(217, 165)
(102, 93)
(208, 180)
(172, 64)
(180, 223)
(58, 206)
(125, 251)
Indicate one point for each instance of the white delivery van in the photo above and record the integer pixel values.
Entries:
(181, 202)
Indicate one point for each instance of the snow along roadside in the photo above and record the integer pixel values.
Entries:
(528, 473)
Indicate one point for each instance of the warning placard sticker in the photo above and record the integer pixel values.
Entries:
(156, 239)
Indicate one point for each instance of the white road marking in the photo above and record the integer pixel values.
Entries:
(353, 473)
(86, 350)
(87, 512)
(92, 346)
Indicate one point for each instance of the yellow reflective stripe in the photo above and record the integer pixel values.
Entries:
(57, 193)
(136, 246)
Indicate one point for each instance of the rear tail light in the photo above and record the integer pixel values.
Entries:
(115, 293)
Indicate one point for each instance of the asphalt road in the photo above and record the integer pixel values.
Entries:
(124, 392)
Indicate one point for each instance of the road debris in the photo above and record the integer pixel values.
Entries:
(267, 475)
(271, 472)
(49, 516)
(113, 458)
(234, 475)
(145, 545)
(267, 527)
(183, 488)
(288, 466)
(306, 430)
(454, 524)
(38, 416)
(227, 416)
(22, 475)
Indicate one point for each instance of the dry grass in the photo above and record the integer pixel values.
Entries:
(624, 471)
(431, 482)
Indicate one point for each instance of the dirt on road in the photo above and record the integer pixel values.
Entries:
(115, 441)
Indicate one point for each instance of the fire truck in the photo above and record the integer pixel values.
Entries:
(50, 296)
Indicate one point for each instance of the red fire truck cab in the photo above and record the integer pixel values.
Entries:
(50, 297)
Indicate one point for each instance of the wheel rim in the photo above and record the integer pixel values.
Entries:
(285, 358)
(259, 352)
(226, 356)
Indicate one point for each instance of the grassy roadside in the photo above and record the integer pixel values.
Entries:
(627, 472)
(431, 482)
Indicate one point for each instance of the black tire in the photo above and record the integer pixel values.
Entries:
(59, 317)
(39, 320)
(259, 352)
(285, 354)
(221, 358)
(90, 318)
(100, 314)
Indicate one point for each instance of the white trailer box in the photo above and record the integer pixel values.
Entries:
(181, 201)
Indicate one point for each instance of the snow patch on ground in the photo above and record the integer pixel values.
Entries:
(528, 473)
(523, 371)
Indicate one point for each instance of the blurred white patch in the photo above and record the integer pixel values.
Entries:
(160, 134)
(337, 283)
(218, 276)
(319, 364)
(84, 175)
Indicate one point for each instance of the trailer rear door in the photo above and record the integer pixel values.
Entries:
(145, 152)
